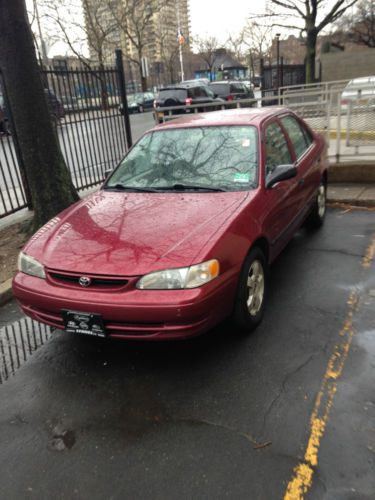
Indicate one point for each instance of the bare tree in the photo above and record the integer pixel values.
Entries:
(207, 50)
(310, 17)
(98, 32)
(49, 180)
(361, 25)
(257, 37)
(135, 21)
(235, 45)
(169, 56)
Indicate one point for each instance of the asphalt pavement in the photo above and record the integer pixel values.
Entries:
(288, 410)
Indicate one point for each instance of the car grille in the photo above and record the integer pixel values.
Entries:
(72, 279)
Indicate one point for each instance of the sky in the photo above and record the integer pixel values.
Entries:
(215, 18)
(208, 17)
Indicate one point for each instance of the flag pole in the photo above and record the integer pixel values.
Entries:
(180, 41)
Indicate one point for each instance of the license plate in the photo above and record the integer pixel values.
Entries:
(85, 323)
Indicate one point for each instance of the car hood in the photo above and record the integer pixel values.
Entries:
(130, 234)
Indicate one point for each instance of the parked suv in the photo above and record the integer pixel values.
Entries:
(232, 91)
(184, 95)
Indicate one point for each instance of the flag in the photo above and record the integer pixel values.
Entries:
(180, 37)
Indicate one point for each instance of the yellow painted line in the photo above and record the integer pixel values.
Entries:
(303, 473)
(353, 135)
(369, 255)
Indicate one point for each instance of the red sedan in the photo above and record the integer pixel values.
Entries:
(182, 233)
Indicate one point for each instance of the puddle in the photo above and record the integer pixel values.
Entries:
(18, 341)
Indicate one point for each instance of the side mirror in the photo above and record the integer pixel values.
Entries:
(281, 173)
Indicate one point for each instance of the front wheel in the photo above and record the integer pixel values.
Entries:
(251, 292)
(317, 215)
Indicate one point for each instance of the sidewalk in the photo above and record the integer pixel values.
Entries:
(350, 194)
(360, 195)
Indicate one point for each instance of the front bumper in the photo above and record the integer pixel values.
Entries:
(140, 314)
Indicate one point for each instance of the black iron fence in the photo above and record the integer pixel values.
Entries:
(86, 107)
(279, 75)
(18, 341)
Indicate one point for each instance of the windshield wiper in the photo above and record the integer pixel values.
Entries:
(122, 187)
(186, 187)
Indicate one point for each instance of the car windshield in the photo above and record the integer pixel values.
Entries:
(217, 157)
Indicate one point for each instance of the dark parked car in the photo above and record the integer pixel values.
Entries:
(184, 95)
(56, 107)
(54, 104)
(137, 103)
(182, 234)
(232, 91)
(4, 130)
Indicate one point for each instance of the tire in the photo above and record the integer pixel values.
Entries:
(251, 292)
(318, 212)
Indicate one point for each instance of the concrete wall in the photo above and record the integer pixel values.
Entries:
(347, 65)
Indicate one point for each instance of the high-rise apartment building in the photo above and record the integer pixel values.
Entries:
(148, 29)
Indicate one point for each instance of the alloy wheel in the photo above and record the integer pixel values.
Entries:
(321, 201)
(255, 287)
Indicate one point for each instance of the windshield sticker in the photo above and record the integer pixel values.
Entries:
(241, 178)
(246, 143)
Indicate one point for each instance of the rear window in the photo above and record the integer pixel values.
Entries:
(219, 88)
(236, 88)
(299, 137)
(179, 94)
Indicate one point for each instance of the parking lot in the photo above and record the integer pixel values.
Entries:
(288, 410)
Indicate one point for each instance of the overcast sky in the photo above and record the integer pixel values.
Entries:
(216, 18)
(209, 18)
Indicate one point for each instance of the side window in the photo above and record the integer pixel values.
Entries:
(277, 151)
(199, 92)
(299, 137)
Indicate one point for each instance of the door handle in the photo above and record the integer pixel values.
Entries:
(301, 182)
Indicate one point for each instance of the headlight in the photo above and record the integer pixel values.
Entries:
(185, 277)
(29, 265)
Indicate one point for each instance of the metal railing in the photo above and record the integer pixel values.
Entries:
(349, 128)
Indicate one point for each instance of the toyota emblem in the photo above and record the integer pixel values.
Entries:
(84, 281)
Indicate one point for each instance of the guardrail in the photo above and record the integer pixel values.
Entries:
(349, 128)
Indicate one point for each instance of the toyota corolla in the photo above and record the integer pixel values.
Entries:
(182, 233)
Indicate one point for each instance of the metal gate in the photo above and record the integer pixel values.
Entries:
(86, 106)
(275, 76)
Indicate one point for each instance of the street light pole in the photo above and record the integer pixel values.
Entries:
(278, 58)
(180, 39)
(42, 42)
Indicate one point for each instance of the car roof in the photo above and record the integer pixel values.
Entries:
(224, 81)
(363, 79)
(243, 116)
(184, 85)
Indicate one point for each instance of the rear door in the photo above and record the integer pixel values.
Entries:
(307, 160)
